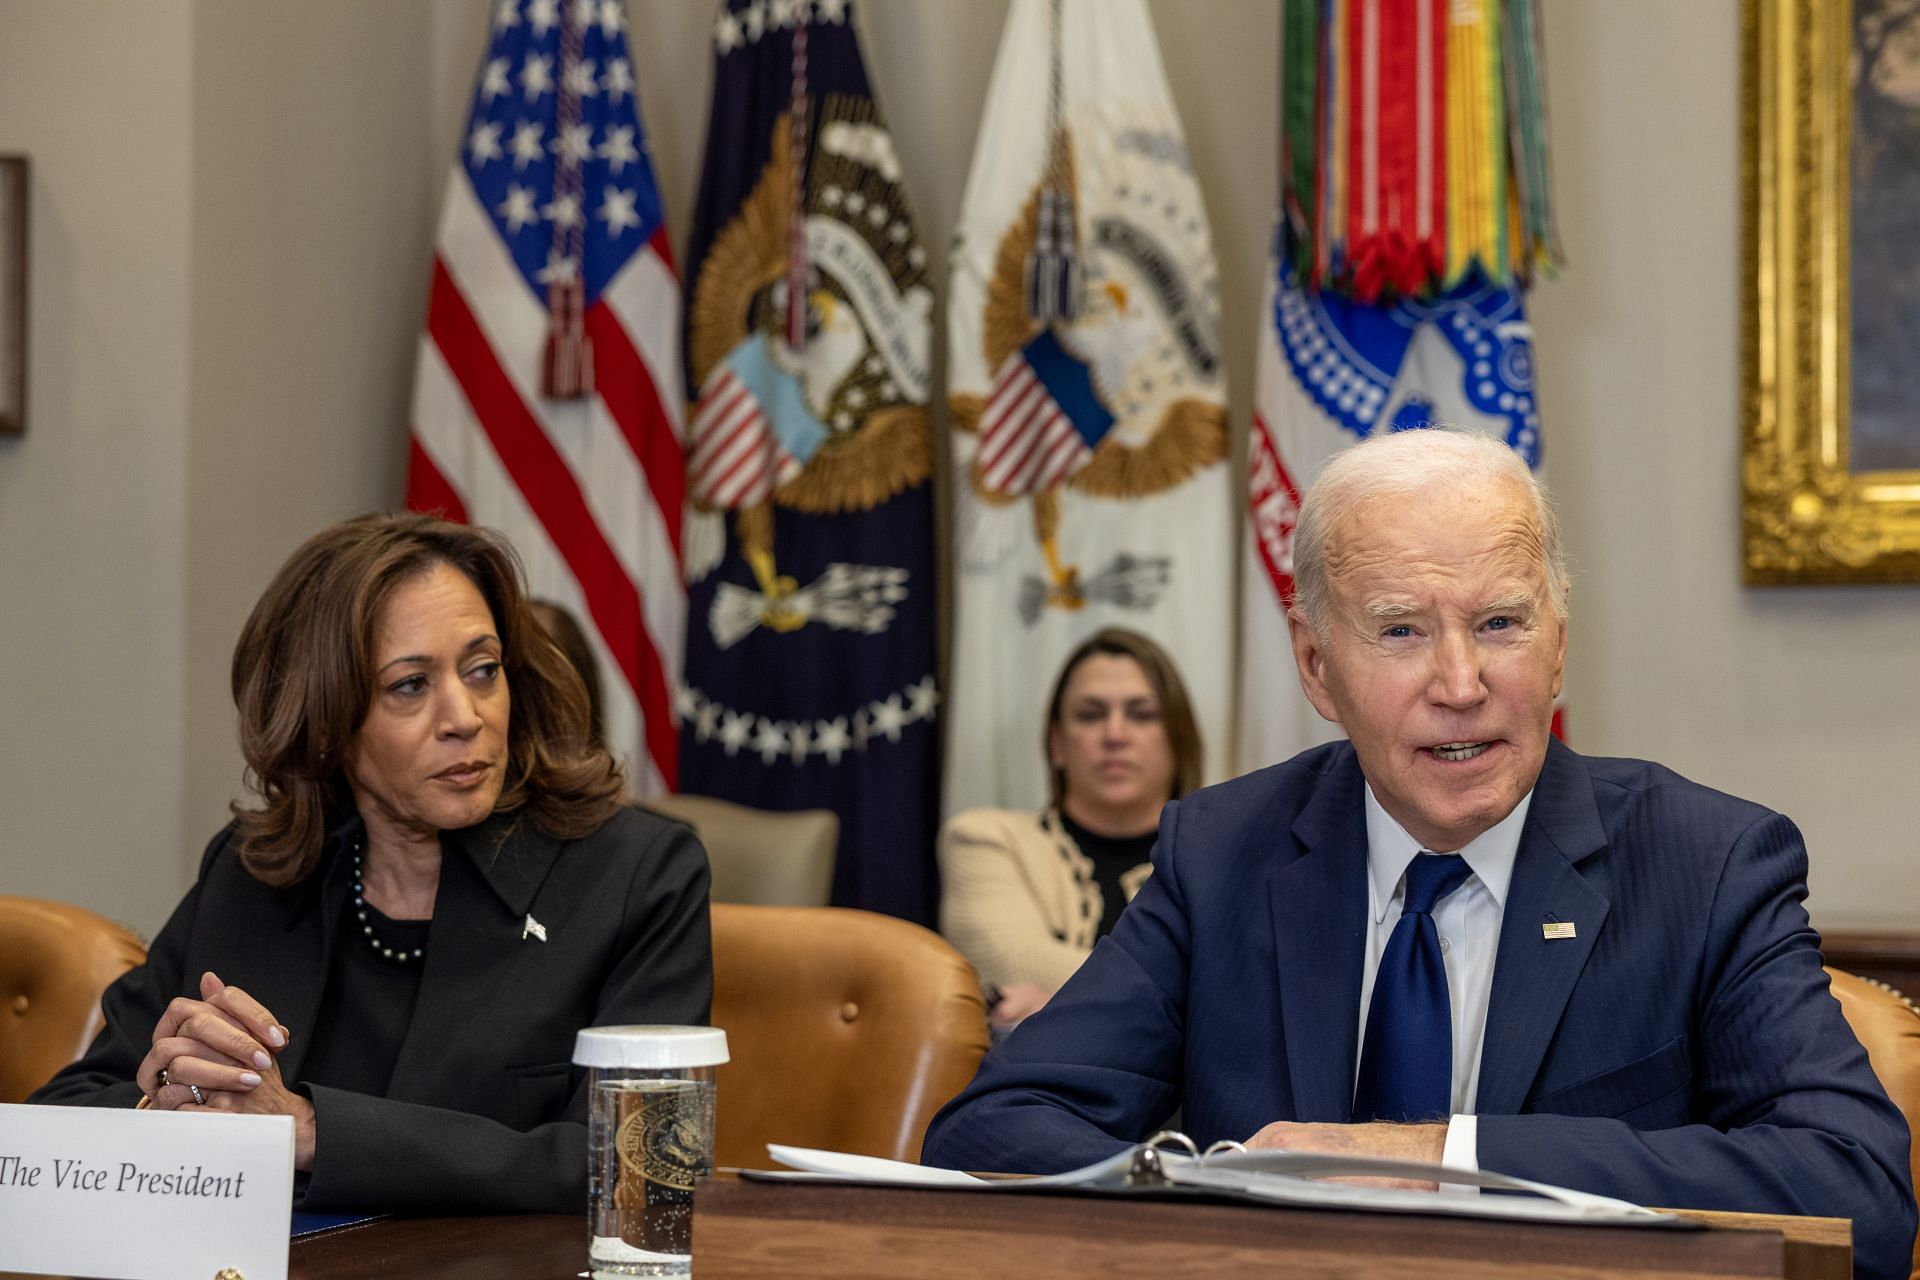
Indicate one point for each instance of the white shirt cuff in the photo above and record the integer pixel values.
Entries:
(1461, 1152)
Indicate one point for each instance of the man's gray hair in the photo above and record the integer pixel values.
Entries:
(1409, 462)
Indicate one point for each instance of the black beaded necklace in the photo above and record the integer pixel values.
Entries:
(399, 955)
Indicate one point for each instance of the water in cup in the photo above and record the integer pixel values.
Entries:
(649, 1139)
(652, 1146)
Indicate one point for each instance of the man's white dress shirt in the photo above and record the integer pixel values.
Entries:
(1468, 922)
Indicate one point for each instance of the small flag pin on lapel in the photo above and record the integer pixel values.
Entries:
(1552, 931)
(534, 929)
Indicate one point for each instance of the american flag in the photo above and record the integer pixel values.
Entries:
(1041, 420)
(553, 269)
(737, 457)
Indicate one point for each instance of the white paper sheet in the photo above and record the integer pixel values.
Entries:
(1275, 1177)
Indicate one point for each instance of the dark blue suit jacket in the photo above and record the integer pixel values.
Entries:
(1682, 1049)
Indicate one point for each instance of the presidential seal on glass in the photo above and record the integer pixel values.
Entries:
(650, 1119)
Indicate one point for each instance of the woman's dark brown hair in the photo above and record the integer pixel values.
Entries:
(1176, 709)
(303, 682)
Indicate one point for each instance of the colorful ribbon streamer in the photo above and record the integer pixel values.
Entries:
(1414, 145)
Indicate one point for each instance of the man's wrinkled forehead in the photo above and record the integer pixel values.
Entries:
(1493, 526)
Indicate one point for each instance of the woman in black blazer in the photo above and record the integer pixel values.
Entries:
(439, 887)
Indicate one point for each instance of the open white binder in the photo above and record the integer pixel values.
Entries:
(1269, 1177)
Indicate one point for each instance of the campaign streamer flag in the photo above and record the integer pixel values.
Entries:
(810, 645)
(1414, 209)
(1090, 449)
(547, 401)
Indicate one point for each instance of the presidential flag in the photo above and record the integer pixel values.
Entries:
(547, 401)
(1090, 449)
(810, 644)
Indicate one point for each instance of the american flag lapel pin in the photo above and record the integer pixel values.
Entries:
(1554, 930)
(533, 929)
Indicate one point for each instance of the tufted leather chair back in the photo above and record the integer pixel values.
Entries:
(55, 960)
(847, 1030)
(758, 855)
(1888, 1026)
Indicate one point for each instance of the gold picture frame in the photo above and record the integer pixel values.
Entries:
(1807, 515)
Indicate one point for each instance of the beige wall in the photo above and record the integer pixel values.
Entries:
(1806, 698)
(315, 188)
(230, 206)
(93, 498)
(297, 152)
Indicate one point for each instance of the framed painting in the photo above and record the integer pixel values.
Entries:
(13, 295)
(1830, 176)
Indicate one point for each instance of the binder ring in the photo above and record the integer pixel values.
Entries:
(1174, 1136)
(1147, 1169)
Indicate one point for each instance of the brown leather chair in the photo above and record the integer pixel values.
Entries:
(759, 856)
(847, 1030)
(55, 960)
(1888, 1025)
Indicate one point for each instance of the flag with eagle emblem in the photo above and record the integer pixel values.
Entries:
(809, 529)
(1090, 449)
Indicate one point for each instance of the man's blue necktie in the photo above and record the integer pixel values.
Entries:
(1406, 1069)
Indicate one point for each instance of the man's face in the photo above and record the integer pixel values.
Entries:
(1442, 656)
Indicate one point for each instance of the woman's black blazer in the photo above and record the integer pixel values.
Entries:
(484, 1113)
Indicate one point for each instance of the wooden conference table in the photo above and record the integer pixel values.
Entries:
(753, 1229)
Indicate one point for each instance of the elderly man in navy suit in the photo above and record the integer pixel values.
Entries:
(1450, 938)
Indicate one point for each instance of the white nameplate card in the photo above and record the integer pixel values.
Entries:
(132, 1195)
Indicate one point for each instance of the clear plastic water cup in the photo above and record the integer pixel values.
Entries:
(650, 1118)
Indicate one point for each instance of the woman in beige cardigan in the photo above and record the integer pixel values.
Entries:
(1024, 896)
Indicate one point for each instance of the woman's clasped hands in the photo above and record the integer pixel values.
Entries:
(218, 1053)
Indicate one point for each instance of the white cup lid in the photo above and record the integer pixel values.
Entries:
(650, 1047)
